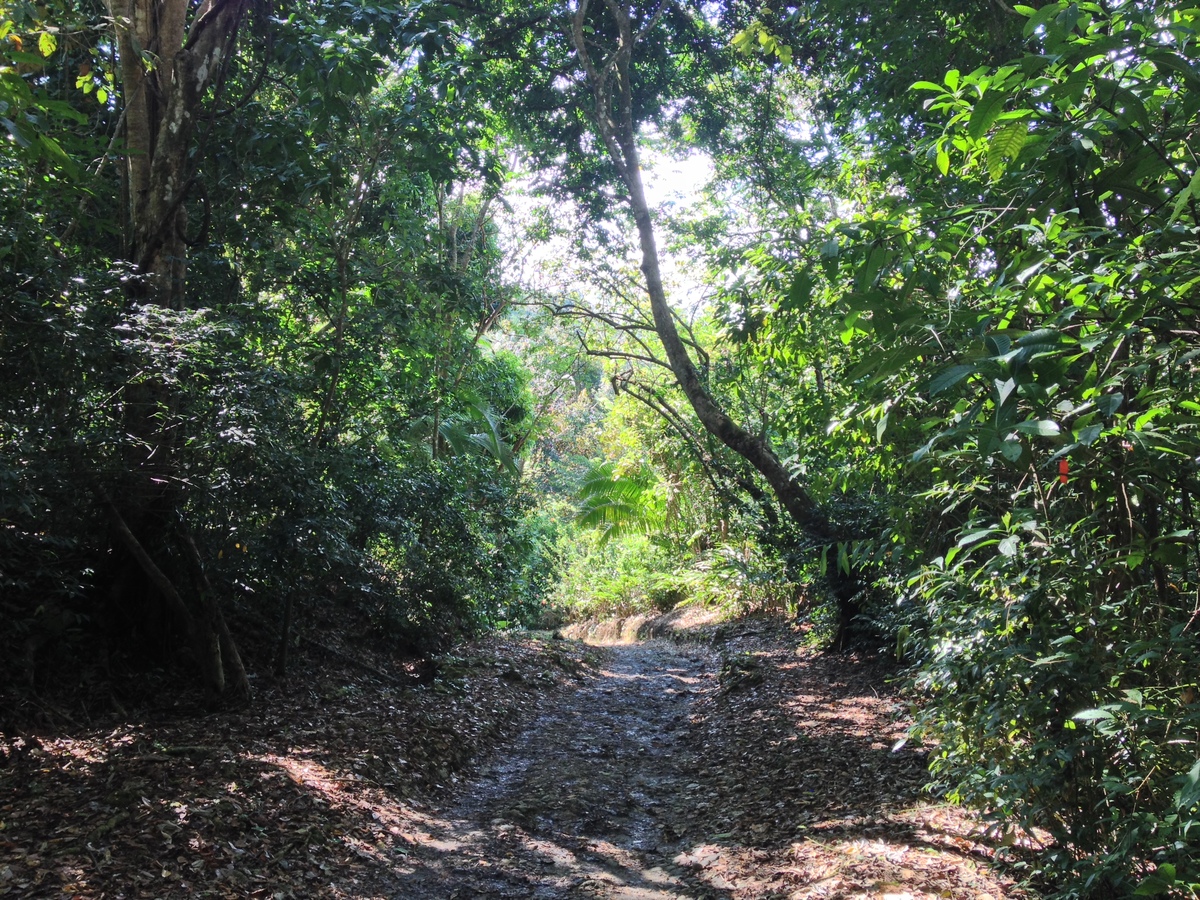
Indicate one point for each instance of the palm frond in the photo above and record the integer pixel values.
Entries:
(619, 504)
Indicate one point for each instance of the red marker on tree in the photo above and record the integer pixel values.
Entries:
(1062, 471)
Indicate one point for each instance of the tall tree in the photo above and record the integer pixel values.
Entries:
(608, 72)
(172, 53)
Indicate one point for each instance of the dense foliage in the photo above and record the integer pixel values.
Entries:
(998, 314)
(327, 420)
(931, 360)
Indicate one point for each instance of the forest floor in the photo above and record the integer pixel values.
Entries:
(722, 761)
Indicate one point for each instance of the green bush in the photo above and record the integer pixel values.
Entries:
(622, 577)
(1069, 716)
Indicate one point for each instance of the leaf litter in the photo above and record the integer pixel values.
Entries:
(722, 763)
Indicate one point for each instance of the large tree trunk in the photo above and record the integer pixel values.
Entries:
(611, 87)
(161, 107)
(172, 53)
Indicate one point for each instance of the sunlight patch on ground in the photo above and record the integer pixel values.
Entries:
(879, 868)
(632, 629)
(857, 715)
(398, 821)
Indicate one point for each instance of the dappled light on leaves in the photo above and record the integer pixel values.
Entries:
(351, 355)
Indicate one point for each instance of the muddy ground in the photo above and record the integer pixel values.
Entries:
(719, 761)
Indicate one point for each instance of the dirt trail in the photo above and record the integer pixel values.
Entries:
(738, 766)
(583, 803)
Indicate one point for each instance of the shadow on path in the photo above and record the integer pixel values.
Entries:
(583, 803)
(744, 768)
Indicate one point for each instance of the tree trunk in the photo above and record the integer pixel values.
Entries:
(161, 107)
(169, 61)
(205, 642)
(609, 80)
(285, 638)
(225, 650)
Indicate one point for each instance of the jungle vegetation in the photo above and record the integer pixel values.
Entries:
(350, 307)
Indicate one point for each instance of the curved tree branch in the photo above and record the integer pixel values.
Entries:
(612, 115)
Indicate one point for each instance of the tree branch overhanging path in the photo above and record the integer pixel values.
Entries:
(608, 72)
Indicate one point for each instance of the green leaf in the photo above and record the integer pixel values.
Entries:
(1108, 404)
(1043, 16)
(1068, 18)
(24, 58)
(47, 43)
(743, 41)
(51, 148)
(997, 344)
(987, 110)
(925, 449)
(877, 257)
(64, 110)
(1040, 428)
(1159, 882)
(949, 378)
(16, 132)
(843, 559)
(1151, 886)
(1165, 59)
(1055, 658)
(1003, 389)
(943, 160)
(974, 537)
(1183, 197)
(800, 293)
(1012, 451)
(1042, 337)
(1122, 102)
(1032, 268)
(619, 504)
(1005, 146)
(1189, 788)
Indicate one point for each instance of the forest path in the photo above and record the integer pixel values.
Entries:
(581, 804)
(736, 766)
(732, 763)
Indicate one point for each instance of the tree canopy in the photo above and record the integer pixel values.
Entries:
(918, 362)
